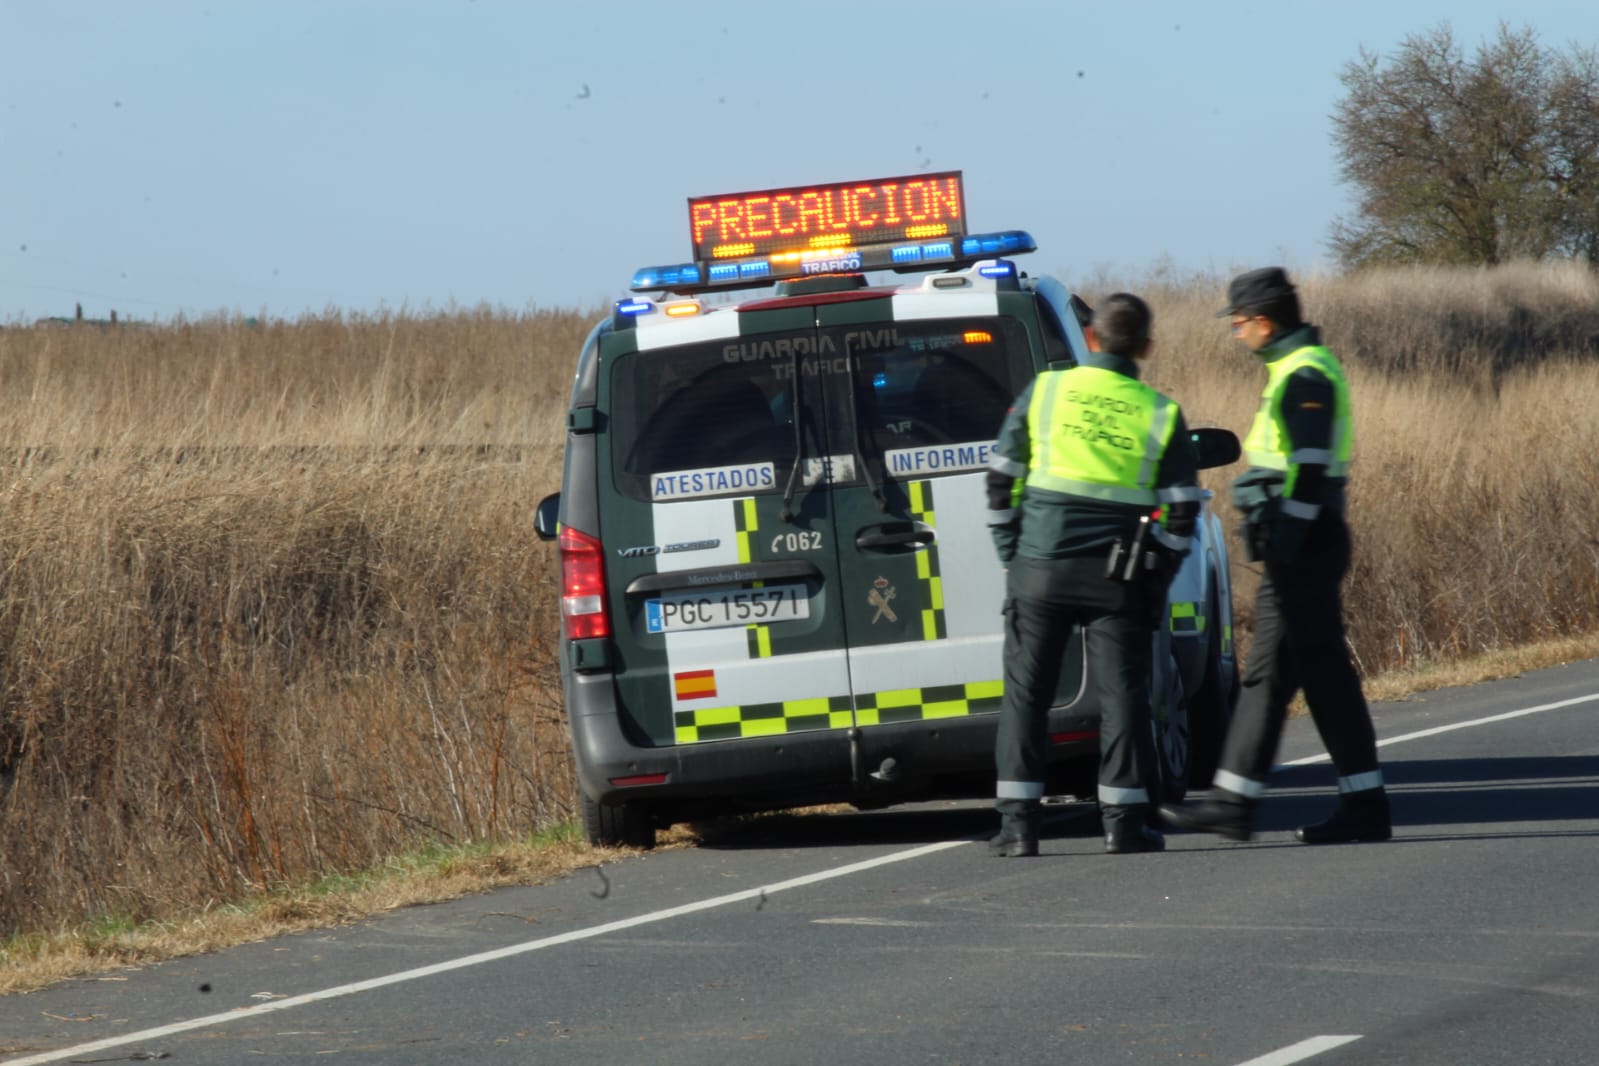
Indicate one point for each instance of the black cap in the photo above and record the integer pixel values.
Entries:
(1257, 288)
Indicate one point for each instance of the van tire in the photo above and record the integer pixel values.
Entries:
(1173, 728)
(1210, 709)
(620, 825)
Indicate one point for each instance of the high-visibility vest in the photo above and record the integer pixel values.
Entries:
(1267, 444)
(1098, 434)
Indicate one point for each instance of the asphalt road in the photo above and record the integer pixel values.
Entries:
(892, 937)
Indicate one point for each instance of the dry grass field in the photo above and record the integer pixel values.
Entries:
(1475, 491)
(271, 607)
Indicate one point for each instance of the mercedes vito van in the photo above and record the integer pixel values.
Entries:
(778, 588)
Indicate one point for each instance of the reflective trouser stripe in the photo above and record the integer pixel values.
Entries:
(1360, 782)
(1239, 785)
(1122, 797)
(1019, 790)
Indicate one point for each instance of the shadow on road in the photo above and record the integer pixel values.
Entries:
(1425, 793)
(1451, 792)
(922, 824)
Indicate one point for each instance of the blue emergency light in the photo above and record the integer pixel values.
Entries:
(988, 245)
(932, 254)
(678, 277)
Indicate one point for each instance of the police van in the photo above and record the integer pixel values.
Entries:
(777, 584)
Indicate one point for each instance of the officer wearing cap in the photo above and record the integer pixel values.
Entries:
(1292, 500)
(1083, 456)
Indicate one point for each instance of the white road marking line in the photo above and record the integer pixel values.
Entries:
(1301, 1051)
(1316, 1045)
(760, 893)
(1310, 759)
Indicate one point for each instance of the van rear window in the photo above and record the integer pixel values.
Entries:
(912, 399)
(937, 385)
(688, 422)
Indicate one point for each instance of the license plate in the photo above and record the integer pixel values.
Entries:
(736, 607)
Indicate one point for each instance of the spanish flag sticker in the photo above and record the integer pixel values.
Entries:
(695, 685)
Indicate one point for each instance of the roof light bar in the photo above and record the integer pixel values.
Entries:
(748, 239)
(933, 253)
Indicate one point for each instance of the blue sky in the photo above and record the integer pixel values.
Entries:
(282, 156)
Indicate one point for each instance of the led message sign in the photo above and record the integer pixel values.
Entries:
(826, 224)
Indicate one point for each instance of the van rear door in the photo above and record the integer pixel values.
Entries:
(920, 587)
(722, 579)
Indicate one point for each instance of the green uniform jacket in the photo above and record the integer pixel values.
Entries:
(1310, 416)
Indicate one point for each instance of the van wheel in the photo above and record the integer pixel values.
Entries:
(1210, 709)
(1173, 730)
(618, 825)
(1172, 745)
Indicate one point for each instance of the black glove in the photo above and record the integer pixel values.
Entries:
(1167, 563)
(1260, 516)
(1284, 537)
(1160, 567)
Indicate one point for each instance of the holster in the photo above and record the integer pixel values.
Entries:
(1129, 559)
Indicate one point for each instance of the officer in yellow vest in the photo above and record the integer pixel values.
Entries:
(1082, 457)
(1292, 499)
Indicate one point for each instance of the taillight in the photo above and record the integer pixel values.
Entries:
(583, 611)
(1077, 737)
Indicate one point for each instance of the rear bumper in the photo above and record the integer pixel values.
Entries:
(876, 765)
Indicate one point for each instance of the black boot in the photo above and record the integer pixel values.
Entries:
(1223, 813)
(1131, 829)
(1018, 833)
(1133, 836)
(1361, 816)
(1009, 844)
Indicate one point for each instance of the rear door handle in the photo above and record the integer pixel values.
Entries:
(890, 536)
(732, 574)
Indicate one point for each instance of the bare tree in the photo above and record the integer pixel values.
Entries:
(1469, 161)
(1573, 130)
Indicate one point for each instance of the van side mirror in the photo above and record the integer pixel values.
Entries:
(547, 518)
(1216, 446)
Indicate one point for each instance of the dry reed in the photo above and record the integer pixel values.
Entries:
(272, 605)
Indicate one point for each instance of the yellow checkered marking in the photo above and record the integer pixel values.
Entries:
(927, 571)
(745, 521)
(691, 726)
(1185, 618)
